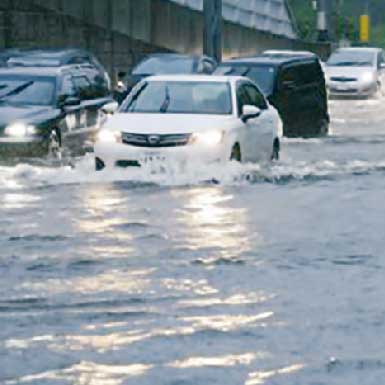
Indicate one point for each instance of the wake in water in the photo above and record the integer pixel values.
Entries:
(282, 172)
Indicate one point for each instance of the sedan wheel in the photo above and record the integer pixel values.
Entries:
(54, 145)
(99, 164)
(236, 153)
(276, 150)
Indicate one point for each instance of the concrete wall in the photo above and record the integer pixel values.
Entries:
(120, 32)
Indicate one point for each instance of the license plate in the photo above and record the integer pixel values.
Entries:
(343, 87)
(153, 157)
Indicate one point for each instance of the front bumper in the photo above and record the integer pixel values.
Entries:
(22, 147)
(123, 155)
(352, 89)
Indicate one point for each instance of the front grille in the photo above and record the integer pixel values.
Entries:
(153, 140)
(348, 91)
(342, 79)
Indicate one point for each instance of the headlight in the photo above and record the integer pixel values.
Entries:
(368, 76)
(20, 130)
(210, 138)
(108, 136)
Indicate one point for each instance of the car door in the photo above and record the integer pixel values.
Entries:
(94, 94)
(292, 103)
(251, 146)
(264, 135)
(73, 114)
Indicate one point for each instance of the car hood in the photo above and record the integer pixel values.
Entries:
(28, 114)
(167, 123)
(355, 72)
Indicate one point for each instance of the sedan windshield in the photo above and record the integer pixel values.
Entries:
(27, 90)
(352, 59)
(164, 65)
(262, 75)
(180, 97)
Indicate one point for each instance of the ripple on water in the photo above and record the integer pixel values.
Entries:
(38, 238)
(354, 260)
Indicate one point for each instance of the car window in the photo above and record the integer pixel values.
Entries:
(83, 87)
(27, 90)
(79, 60)
(352, 58)
(242, 98)
(180, 97)
(164, 65)
(308, 73)
(255, 97)
(68, 87)
(99, 86)
(289, 76)
(264, 77)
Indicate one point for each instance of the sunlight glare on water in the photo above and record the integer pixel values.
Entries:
(227, 274)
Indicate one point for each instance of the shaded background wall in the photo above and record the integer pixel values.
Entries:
(120, 32)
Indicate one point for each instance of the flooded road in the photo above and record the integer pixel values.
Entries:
(273, 276)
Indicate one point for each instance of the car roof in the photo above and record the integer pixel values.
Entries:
(358, 49)
(196, 78)
(172, 55)
(289, 53)
(270, 60)
(34, 71)
(57, 53)
(46, 57)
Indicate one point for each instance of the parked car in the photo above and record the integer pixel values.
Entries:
(165, 64)
(51, 58)
(295, 86)
(41, 111)
(195, 119)
(356, 72)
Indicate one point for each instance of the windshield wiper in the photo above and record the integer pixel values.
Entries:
(166, 102)
(16, 90)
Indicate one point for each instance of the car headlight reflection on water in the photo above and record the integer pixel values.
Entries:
(210, 138)
(20, 130)
(108, 136)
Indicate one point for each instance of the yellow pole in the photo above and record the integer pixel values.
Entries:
(364, 28)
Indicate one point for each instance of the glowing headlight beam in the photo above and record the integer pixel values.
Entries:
(20, 130)
(210, 138)
(367, 77)
(108, 136)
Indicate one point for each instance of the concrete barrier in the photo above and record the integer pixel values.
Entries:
(120, 32)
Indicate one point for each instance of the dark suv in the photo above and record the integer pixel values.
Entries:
(44, 110)
(295, 86)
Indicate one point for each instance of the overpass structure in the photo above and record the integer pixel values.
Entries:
(120, 32)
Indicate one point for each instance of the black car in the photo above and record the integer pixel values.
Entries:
(45, 110)
(51, 58)
(294, 85)
(166, 64)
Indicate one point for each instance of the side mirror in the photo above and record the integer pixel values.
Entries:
(250, 112)
(110, 108)
(69, 101)
(122, 74)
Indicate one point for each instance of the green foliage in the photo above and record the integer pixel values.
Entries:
(345, 19)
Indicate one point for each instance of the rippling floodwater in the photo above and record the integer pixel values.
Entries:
(270, 275)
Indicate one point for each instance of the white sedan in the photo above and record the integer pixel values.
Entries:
(193, 119)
